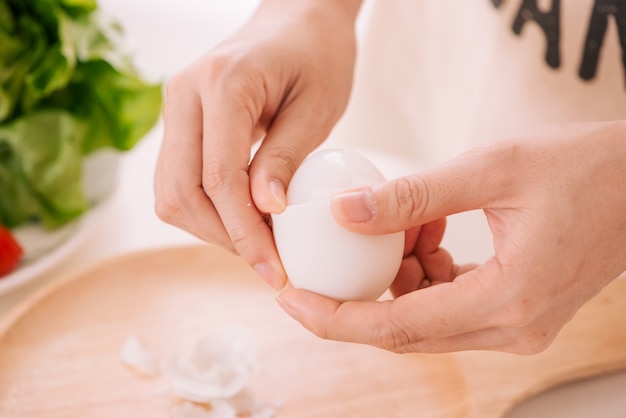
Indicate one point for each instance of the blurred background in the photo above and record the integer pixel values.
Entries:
(164, 36)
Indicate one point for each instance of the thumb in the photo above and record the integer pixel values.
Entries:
(473, 180)
(293, 135)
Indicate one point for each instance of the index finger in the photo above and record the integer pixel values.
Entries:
(228, 127)
(478, 179)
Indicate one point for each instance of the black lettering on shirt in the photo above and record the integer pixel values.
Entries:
(596, 32)
(550, 23)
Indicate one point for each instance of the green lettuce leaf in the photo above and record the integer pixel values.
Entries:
(40, 174)
(67, 89)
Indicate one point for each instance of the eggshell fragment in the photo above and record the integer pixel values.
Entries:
(219, 366)
(210, 381)
(135, 356)
(317, 253)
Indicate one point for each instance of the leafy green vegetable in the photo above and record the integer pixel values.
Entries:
(66, 90)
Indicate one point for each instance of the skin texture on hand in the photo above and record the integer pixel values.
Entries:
(555, 202)
(283, 78)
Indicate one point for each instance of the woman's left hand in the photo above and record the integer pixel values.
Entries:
(555, 201)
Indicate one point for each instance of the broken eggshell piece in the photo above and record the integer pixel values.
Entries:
(135, 356)
(219, 366)
(317, 253)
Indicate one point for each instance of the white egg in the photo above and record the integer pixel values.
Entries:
(317, 253)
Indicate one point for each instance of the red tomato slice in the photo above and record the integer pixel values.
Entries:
(10, 252)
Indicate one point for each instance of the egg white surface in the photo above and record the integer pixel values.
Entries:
(317, 253)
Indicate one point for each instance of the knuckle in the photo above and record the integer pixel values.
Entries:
(239, 236)
(178, 88)
(222, 73)
(219, 63)
(175, 85)
(395, 336)
(212, 70)
(234, 76)
(396, 340)
(412, 197)
(174, 88)
(391, 339)
(213, 181)
(286, 159)
(219, 180)
(168, 206)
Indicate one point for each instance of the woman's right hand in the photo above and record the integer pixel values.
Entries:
(284, 78)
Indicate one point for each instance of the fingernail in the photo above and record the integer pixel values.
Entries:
(286, 306)
(355, 207)
(278, 191)
(268, 275)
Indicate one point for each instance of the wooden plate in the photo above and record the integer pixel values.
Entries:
(59, 353)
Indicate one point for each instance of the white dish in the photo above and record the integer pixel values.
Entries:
(43, 249)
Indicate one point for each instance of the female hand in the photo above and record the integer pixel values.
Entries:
(555, 202)
(285, 78)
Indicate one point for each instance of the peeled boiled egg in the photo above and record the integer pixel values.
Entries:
(317, 253)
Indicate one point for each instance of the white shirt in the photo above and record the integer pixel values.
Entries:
(435, 77)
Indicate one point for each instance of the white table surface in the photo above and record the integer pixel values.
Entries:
(166, 35)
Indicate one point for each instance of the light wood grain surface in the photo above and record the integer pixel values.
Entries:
(59, 352)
